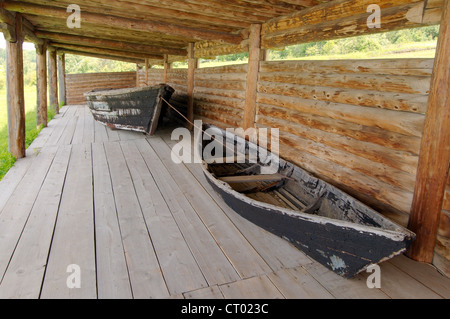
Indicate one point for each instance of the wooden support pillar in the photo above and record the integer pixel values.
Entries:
(166, 66)
(62, 78)
(53, 79)
(15, 92)
(434, 155)
(146, 71)
(254, 58)
(41, 84)
(192, 65)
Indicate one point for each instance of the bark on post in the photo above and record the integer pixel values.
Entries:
(41, 84)
(252, 76)
(62, 78)
(53, 79)
(192, 65)
(15, 92)
(434, 154)
(166, 66)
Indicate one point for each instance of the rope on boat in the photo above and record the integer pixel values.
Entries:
(199, 128)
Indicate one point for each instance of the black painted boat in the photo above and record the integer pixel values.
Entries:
(137, 109)
(327, 224)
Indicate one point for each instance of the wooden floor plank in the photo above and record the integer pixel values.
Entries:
(67, 135)
(179, 267)
(214, 265)
(79, 129)
(25, 272)
(18, 207)
(253, 288)
(399, 285)
(61, 126)
(112, 272)
(100, 132)
(277, 252)
(243, 256)
(424, 273)
(342, 288)
(212, 292)
(113, 135)
(88, 133)
(73, 240)
(145, 274)
(296, 283)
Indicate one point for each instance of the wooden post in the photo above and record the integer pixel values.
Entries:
(15, 92)
(53, 79)
(434, 154)
(254, 57)
(41, 84)
(166, 66)
(146, 71)
(62, 78)
(138, 68)
(192, 65)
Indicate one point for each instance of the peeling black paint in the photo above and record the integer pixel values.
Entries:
(137, 109)
(343, 234)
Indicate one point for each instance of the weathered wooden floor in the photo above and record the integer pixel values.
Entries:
(137, 225)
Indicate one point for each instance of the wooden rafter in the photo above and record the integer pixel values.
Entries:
(102, 56)
(126, 54)
(110, 44)
(126, 23)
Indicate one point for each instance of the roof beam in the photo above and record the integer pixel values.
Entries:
(125, 23)
(140, 56)
(110, 44)
(346, 18)
(102, 56)
(7, 22)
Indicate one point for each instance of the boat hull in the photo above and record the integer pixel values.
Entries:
(136, 109)
(343, 246)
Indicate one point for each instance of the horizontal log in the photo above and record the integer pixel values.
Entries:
(110, 44)
(376, 170)
(227, 101)
(125, 23)
(293, 30)
(227, 120)
(444, 224)
(226, 85)
(221, 76)
(109, 52)
(221, 49)
(326, 12)
(399, 122)
(419, 67)
(235, 68)
(101, 56)
(219, 92)
(390, 140)
(380, 83)
(399, 160)
(416, 103)
(218, 109)
(368, 189)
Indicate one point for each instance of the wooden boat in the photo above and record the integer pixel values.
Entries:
(327, 224)
(137, 109)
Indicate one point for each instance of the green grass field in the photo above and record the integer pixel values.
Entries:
(6, 159)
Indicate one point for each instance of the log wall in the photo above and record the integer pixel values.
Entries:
(219, 95)
(357, 124)
(78, 84)
(442, 249)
